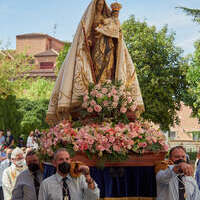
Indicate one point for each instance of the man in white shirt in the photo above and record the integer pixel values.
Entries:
(62, 185)
(28, 182)
(176, 182)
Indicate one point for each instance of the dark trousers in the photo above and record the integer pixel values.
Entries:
(1, 194)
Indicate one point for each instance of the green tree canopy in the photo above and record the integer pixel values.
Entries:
(35, 89)
(12, 71)
(34, 115)
(160, 69)
(61, 57)
(195, 13)
(193, 77)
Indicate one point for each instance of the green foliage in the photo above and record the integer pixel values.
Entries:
(11, 69)
(61, 57)
(35, 89)
(34, 115)
(160, 69)
(193, 77)
(192, 155)
(10, 116)
(195, 13)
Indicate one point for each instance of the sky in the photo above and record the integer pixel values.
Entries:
(40, 16)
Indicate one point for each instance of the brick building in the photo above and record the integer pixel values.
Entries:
(186, 133)
(43, 48)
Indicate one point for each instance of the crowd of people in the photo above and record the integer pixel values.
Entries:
(22, 177)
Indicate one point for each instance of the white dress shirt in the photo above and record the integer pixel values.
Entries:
(24, 187)
(51, 189)
(167, 186)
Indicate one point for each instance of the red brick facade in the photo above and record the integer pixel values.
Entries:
(43, 48)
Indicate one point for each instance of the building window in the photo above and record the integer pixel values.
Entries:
(46, 65)
(172, 135)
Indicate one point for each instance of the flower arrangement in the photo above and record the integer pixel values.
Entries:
(108, 100)
(103, 129)
(105, 141)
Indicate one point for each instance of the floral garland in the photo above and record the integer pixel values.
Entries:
(103, 140)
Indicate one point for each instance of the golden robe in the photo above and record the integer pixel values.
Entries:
(76, 73)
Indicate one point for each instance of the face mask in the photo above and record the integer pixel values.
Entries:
(64, 168)
(176, 162)
(33, 167)
(19, 163)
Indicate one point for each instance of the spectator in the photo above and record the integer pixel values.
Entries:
(175, 180)
(21, 142)
(9, 140)
(2, 138)
(31, 143)
(63, 186)
(28, 182)
(3, 165)
(10, 174)
(197, 170)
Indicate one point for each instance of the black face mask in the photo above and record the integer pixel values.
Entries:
(64, 168)
(179, 161)
(33, 167)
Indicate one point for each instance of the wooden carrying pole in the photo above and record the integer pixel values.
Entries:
(88, 53)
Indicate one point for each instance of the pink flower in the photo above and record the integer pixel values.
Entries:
(116, 98)
(99, 95)
(104, 90)
(116, 148)
(90, 109)
(113, 91)
(85, 98)
(123, 110)
(93, 93)
(93, 102)
(97, 108)
(142, 144)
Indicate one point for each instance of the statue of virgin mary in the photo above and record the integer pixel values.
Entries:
(98, 53)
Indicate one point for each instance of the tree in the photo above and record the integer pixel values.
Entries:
(35, 89)
(160, 70)
(192, 98)
(195, 13)
(10, 116)
(12, 71)
(34, 115)
(61, 57)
